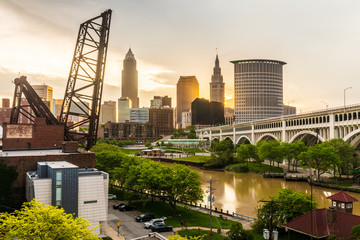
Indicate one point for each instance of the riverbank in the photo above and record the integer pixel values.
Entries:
(269, 172)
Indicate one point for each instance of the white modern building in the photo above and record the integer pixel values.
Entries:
(79, 191)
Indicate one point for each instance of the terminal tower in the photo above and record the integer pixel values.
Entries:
(129, 82)
(217, 85)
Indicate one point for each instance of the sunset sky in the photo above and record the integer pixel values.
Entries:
(319, 40)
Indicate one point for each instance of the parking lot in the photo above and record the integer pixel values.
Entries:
(129, 228)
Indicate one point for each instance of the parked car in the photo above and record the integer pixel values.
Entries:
(117, 205)
(160, 227)
(111, 196)
(145, 217)
(125, 207)
(154, 221)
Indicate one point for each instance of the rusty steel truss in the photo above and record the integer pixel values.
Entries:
(84, 87)
(85, 83)
(36, 104)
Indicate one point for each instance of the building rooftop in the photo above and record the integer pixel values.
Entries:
(258, 60)
(31, 152)
(321, 224)
(342, 197)
(58, 164)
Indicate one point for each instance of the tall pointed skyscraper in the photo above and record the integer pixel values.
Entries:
(129, 83)
(217, 86)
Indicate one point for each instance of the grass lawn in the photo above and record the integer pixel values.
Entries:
(255, 167)
(193, 218)
(199, 159)
(130, 151)
(206, 234)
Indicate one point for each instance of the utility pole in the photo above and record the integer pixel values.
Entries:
(271, 214)
(211, 191)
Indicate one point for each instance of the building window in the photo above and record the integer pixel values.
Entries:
(93, 201)
(58, 187)
(343, 205)
(334, 204)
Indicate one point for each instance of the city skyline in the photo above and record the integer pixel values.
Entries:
(179, 38)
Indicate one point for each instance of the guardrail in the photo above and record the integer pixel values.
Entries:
(244, 217)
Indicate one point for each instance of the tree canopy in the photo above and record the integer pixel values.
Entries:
(38, 221)
(291, 204)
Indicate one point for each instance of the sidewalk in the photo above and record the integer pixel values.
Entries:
(109, 231)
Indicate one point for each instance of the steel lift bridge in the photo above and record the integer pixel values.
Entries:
(84, 87)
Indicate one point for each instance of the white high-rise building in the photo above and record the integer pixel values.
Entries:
(258, 89)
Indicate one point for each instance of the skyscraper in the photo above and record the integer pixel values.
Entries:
(124, 105)
(129, 83)
(187, 89)
(45, 92)
(258, 89)
(108, 112)
(217, 86)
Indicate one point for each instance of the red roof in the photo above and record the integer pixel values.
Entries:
(342, 197)
(341, 227)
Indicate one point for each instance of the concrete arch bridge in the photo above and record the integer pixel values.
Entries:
(321, 125)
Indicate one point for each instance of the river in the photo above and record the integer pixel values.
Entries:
(240, 192)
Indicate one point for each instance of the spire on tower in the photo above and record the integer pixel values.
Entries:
(129, 55)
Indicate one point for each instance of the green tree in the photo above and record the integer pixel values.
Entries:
(355, 233)
(98, 147)
(295, 149)
(237, 232)
(148, 144)
(322, 157)
(271, 151)
(37, 221)
(346, 154)
(182, 184)
(222, 154)
(108, 161)
(192, 133)
(292, 205)
(245, 152)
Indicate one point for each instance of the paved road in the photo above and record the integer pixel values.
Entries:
(129, 228)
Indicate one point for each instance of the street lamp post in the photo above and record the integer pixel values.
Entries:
(325, 104)
(345, 95)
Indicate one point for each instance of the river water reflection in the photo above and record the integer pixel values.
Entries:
(240, 192)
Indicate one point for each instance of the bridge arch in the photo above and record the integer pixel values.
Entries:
(304, 137)
(353, 138)
(215, 139)
(267, 137)
(229, 138)
(242, 138)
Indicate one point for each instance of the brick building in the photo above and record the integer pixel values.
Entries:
(26, 160)
(32, 136)
(159, 102)
(139, 132)
(162, 119)
(5, 111)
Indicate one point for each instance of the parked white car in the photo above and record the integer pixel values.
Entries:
(155, 220)
(111, 196)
